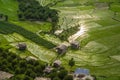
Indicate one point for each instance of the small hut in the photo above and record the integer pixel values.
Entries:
(22, 46)
(48, 69)
(5, 75)
(57, 63)
(75, 45)
(42, 78)
(61, 49)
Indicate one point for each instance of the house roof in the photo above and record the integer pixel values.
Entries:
(21, 45)
(75, 43)
(63, 47)
(57, 62)
(81, 71)
(5, 75)
(48, 69)
(42, 78)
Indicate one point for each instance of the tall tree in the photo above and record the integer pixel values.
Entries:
(71, 62)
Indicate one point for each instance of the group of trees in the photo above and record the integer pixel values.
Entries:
(29, 69)
(68, 32)
(60, 74)
(12, 63)
(32, 10)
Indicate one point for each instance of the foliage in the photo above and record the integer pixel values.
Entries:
(14, 64)
(68, 77)
(32, 10)
(71, 62)
(62, 74)
(7, 28)
(68, 32)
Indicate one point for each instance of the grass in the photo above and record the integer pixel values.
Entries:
(32, 48)
(100, 45)
(9, 7)
(7, 28)
(34, 26)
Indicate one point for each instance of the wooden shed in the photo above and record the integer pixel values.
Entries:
(61, 49)
(57, 63)
(42, 78)
(5, 75)
(22, 46)
(75, 45)
(48, 69)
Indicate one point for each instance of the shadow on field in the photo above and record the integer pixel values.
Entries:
(7, 28)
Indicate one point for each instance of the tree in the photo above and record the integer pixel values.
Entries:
(52, 75)
(6, 17)
(56, 78)
(62, 74)
(68, 77)
(71, 62)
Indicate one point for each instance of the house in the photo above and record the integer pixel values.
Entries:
(5, 75)
(42, 78)
(82, 74)
(48, 69)
(75, 45)
(57, 63)
(61, 49)
(22, 46)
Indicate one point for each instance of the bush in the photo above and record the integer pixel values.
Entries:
(67, 33)
(68, 77)
(62, 74)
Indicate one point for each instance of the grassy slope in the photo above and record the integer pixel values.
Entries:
(9, 7)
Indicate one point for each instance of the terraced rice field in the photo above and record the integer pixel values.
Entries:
(100, 39)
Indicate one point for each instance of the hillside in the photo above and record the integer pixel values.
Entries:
(99, 35)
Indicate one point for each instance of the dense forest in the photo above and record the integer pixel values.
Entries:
(32, 10)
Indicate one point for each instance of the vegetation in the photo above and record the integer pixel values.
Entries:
(8, 28)
(99, 43)
(68, 32)
(14, 64)
(33, 11)
(3, 17)
(71, 62)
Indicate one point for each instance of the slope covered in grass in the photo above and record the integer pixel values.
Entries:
(9, 7)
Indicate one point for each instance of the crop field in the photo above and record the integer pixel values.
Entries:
(100, 42)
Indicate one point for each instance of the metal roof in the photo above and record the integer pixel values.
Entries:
(81, 71)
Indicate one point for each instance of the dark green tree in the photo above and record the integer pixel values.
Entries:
(62, 74)
(68, 77)
(71, 62)
(56, 78)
